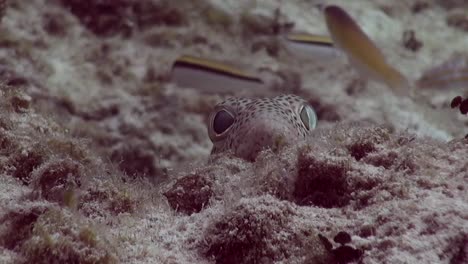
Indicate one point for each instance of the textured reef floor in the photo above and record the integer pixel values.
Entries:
(104, 160)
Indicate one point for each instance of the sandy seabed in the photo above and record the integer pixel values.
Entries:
(104, 160)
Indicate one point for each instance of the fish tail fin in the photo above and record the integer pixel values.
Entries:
(398, 82)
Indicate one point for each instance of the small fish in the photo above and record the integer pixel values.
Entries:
(361, 50)
(451, 74)
(309, 46)
(213, 76)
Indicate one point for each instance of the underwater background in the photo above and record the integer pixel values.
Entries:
(105, 159)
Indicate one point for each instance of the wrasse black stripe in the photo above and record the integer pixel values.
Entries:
(216, 70)
(316, 40)
(321, 44)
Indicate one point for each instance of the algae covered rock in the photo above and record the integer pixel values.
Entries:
(111, 17)
(189, 194)
(263, 230)
(59, 237)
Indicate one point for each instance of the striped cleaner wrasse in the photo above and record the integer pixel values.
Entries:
(309, 46)
(210, 76)
(361, 50)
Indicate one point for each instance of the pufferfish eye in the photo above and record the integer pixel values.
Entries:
(220, 123)
(308, 116)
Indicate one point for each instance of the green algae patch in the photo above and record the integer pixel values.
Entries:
(58, 237)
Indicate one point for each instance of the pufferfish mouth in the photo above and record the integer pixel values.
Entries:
(271, 135)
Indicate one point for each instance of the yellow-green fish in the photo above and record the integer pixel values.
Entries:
(361, 50)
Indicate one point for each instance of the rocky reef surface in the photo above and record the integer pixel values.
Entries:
(104, 160)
